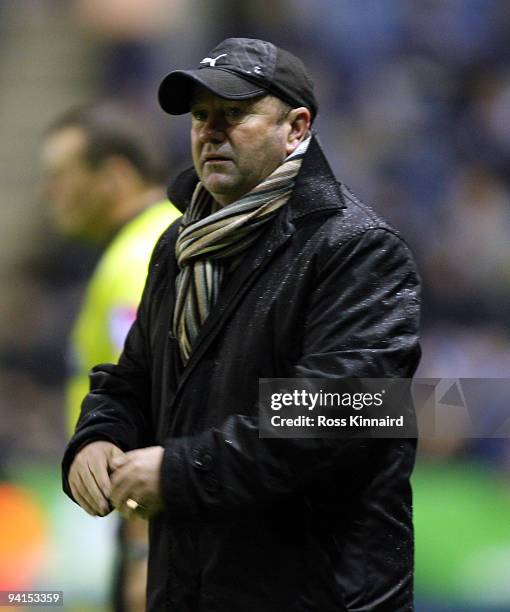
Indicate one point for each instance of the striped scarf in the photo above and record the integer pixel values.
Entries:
(210, 235)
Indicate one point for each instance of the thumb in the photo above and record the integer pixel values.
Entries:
(117, 458)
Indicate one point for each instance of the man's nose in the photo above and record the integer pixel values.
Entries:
(214, 128)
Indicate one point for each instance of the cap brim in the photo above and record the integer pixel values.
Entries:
(176, 88)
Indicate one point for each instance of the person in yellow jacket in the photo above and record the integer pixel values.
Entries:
(112, 297)
(102, 174)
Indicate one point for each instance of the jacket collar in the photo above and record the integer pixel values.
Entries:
(316, 187)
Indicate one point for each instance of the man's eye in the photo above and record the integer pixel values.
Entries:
(234, 114)
(199, 115)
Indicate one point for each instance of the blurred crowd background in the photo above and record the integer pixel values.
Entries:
(415, 119)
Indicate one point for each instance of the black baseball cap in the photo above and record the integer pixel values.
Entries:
(239, 69)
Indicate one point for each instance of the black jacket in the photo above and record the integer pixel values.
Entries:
(270, 524)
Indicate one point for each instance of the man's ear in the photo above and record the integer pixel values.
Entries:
(299, 120)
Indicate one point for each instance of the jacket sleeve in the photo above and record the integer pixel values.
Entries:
(117, 407)
(362, 321)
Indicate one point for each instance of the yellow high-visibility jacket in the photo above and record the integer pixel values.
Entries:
(111, 299)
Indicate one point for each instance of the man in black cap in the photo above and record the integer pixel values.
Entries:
(275, 270)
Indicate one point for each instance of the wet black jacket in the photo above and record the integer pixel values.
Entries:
(253, 524)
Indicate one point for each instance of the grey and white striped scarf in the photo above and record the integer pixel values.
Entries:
(210, 235)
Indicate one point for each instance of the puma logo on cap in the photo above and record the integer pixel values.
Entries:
(212, 61)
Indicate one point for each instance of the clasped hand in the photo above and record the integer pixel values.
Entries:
(103, 477)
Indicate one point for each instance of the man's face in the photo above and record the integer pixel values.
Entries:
(236, 144)
(71, 187)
